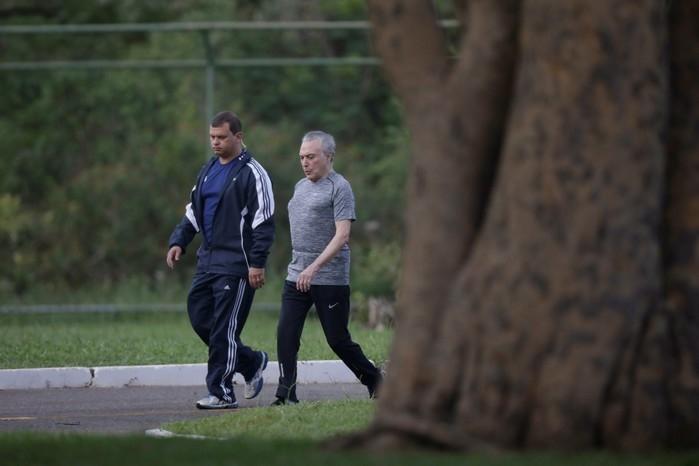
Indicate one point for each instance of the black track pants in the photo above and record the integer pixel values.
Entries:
(332, 306)
(218, 306)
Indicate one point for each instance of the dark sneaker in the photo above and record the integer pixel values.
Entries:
(254, 385)
(214, 402)
(283, 401)
(373, 389)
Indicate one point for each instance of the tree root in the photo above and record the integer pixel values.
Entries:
(403, 432)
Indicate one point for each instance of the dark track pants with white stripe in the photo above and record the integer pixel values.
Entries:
(218, 306)
(332, 305)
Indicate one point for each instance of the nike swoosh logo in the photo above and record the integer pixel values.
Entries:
(332, 305)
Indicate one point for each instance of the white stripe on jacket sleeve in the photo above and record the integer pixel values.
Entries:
(265, 197)
(189, 213)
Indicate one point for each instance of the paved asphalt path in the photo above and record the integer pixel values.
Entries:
(131, 409)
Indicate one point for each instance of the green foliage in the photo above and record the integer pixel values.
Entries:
(375, 269)
(98, 164)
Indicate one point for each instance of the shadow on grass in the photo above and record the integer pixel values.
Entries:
(28, 449)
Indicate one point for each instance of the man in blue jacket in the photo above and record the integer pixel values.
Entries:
(232, 205)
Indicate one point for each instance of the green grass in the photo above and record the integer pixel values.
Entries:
(130, 338)
(77, 450)
(308, 420)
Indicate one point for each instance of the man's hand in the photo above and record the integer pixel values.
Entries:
(173, 255)
(303, 283)
(256, 277)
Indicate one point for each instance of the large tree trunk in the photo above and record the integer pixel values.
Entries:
(679, 330)
(554, 304)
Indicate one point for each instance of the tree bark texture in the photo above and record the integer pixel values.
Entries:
(679, 330)
(550, 286)
(445, 141)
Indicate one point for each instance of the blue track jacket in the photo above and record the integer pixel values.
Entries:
(243, 228)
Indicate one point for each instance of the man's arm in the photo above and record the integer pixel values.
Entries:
(181, 236)
(261, 207)
(184, 232)
(342, 236)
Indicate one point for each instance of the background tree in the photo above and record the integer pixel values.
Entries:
(549, 290)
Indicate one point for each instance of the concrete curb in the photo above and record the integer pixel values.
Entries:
(49, 377)
(157, 375)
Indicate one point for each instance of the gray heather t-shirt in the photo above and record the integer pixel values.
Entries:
(313, 211)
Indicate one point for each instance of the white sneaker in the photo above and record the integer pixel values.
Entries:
(214, 402)
(253, 387)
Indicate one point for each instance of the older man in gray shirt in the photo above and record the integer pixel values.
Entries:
(321, 213)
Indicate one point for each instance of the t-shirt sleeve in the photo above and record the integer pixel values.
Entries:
(343, 202)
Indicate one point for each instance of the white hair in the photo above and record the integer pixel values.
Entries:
(327, 141)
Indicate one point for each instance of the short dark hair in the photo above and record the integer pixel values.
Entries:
(231, 118)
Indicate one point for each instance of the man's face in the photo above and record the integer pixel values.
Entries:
(224, 143)
(314, 162)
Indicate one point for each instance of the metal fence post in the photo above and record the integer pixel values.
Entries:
(209, 81)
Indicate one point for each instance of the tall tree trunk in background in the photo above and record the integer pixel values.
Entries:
(679, 330)
(550, 287)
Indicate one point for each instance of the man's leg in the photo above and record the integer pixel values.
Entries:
(295, 306)
(247, 359)
(333, 306)
(200, 306)
(249, 363)
(233, 297)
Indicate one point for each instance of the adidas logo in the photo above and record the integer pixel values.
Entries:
(226, 287)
